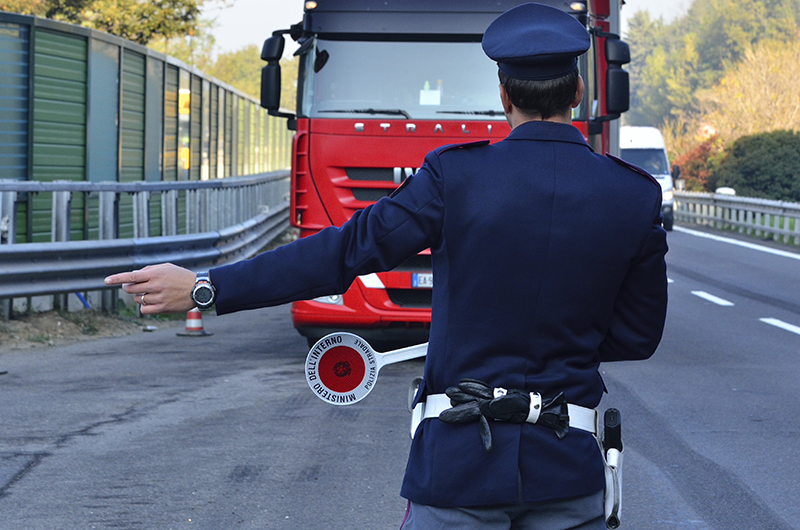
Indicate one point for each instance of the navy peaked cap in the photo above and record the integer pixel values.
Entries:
(535, 41)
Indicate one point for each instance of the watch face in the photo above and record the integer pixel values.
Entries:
(203, 295)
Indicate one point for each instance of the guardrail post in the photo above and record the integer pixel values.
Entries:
(769, 218)
(169, 213)
(8, 217)
(107, 224)
(203, 208)
(108, 215)
(225, 206)
(796, 230)
(786, 226)
(191, 211)
(60, 216)
(141, 214)
(8, 232)
(214, 210)
(60, 232)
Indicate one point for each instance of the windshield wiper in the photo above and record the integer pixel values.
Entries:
(473, 112)
(396, 112)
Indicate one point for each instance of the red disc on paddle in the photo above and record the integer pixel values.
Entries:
(341, 369)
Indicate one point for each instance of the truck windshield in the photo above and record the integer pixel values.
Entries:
(654, 161)
(411, 80)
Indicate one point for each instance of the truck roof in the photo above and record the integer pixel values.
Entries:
(640, 138)
(408, 17)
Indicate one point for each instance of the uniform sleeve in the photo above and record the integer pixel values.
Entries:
(375, 239)
(637, 322)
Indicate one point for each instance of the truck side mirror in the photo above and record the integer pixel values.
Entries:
(618, 99)
(617, 52)
(273, 48)
(617, 81)
(676, 172)
(271, 73)
(271, 86)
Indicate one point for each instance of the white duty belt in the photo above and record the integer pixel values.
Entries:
(582, 418)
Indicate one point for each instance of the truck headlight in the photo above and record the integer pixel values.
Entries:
(667, 196)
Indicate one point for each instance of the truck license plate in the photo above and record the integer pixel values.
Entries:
(423, 280)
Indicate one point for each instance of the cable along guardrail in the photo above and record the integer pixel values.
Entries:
(200, 224)
(764, 218)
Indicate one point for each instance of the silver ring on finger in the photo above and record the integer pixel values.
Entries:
(143, 299)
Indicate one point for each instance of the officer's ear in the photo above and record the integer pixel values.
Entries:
(579, 93)
(505, 100)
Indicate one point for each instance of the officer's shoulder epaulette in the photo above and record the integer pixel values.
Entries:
(444, 148)
(633, 168)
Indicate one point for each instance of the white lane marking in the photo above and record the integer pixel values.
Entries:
(744, 244)
(780, 324)
(711, 298)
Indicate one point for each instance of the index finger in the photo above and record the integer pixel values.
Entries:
(121, 278)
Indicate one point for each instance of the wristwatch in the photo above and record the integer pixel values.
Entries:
(204, 295)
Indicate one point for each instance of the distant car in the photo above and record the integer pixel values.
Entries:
(644, 147)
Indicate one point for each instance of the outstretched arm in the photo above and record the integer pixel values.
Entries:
(378, 238)
(163, 288)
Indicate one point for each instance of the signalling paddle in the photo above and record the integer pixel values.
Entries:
(342, 368)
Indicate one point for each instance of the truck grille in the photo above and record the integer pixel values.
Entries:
(416, 298)
(385, 174)
(371, 194)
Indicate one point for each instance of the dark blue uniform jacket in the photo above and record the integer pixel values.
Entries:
(547, 258)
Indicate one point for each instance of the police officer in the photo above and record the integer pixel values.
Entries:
(548, 259)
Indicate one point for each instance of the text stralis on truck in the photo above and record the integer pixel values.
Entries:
(382, 83)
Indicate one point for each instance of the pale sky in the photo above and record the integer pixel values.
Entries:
(252, 21)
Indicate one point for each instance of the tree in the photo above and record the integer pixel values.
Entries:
(25, 7)
(645, 36)
(136, 20)
(762, 165)
(196, 49)
(673, 63)
(698, 164)
(728, 28)
(241, 68)
(758, 94)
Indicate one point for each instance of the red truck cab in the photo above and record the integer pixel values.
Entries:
(381, 84)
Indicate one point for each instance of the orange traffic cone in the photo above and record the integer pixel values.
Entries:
(194, 325)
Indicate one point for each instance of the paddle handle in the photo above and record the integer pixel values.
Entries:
(403, 354)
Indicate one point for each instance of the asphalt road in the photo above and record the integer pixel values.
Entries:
(709, 421)
(156, 431)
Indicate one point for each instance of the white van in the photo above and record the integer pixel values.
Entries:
(644, 147)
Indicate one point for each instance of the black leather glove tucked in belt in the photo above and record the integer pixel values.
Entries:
(474, 400)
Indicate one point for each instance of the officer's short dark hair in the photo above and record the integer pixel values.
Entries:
(542, 98)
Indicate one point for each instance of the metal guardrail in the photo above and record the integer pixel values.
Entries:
(763, 218)
(225, 220)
